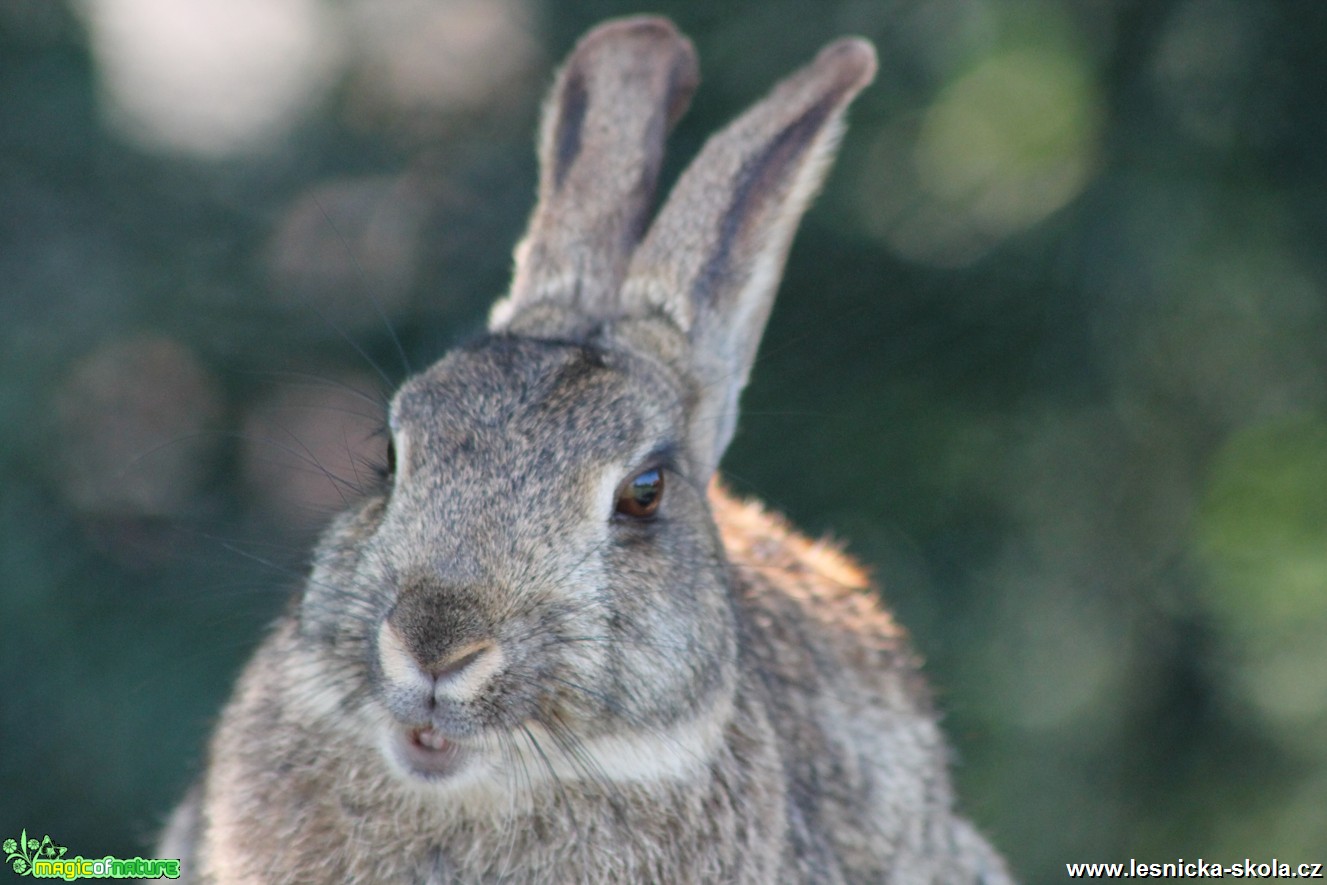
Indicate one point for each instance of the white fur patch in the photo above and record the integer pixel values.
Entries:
(493, 779)
(675, 753)
(672, 754)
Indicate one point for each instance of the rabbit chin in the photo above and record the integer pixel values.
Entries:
(424, 754)
(523, 761)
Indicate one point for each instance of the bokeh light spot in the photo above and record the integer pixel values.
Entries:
(1004, 146)
(1201, 70)
(136, 425)
(1229, 326)
(1263, 537)
(348, 250)
(440, 55)
(311, 448)
(1010, 142)
(211, 78)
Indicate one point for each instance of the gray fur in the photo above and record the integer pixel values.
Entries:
(492, 677)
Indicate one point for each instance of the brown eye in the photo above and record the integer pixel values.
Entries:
(639, 498)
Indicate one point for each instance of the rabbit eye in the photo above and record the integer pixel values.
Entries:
(389, 469)
(640, 496)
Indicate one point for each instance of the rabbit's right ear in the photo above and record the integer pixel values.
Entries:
(600, 147)
(711, 261)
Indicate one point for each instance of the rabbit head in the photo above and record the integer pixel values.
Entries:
(541, 590)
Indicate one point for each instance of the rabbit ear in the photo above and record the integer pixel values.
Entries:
(712, 259)
(600, 146)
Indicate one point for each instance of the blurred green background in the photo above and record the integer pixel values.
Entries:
(1051, 357)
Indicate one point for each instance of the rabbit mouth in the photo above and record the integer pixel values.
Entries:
(426, 752)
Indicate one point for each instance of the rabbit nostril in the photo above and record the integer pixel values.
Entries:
(460, 660)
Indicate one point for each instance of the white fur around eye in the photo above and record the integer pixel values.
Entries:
(605, 496)
(398, 440)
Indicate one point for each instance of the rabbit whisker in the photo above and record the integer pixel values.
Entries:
(559, 787)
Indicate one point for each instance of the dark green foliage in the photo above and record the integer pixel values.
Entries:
(1049, 357)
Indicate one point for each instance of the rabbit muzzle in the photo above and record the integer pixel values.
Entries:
(429, 677)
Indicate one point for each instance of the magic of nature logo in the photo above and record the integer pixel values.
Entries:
(45, 859)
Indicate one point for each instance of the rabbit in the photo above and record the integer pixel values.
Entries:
(552, 647)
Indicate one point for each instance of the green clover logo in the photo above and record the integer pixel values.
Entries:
(21, 852)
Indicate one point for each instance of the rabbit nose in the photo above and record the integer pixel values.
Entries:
(437, 623)
(462, 674)
(470, 657)
(457, 674)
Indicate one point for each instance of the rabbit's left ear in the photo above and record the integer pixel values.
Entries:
(600, 147)
(711, 261)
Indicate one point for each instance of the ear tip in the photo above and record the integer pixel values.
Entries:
(632, 24)
(651, 32)
(852, 59)
(643, 37)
